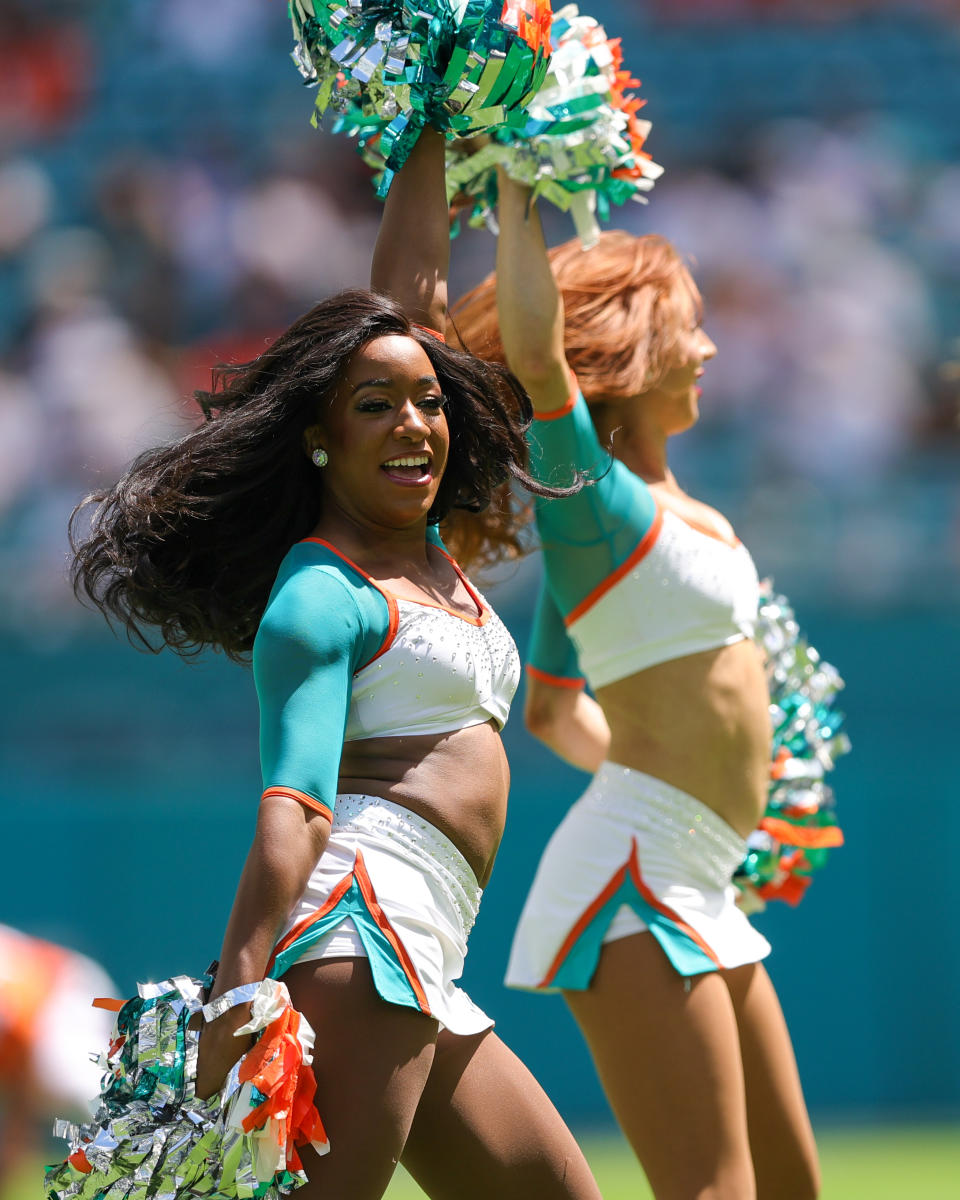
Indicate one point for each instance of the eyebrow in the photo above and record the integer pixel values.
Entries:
(388, 383)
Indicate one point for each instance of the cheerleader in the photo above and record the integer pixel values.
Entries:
(651, 598)
(299, 523)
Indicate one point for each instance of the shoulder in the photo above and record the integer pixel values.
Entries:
(321, 604)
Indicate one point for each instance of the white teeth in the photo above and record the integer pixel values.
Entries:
(417, 460)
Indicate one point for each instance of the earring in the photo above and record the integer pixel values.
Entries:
(320, 457)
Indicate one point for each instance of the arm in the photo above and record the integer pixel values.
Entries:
(528, 301)
(288, 842)
(411, 259)
(306, 650)
(557, 711)
(569, 721)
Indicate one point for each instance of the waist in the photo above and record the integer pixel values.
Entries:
(411, 835)
(698, 832)
(701, 723)
(457, 781)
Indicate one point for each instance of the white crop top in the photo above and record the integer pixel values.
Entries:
(440, 671)
(680, 592)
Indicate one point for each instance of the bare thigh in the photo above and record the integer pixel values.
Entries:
(371, 1061)
(667, 1052)
(485, 1128)
(781, 1140)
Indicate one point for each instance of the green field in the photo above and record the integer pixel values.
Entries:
(877, 1163)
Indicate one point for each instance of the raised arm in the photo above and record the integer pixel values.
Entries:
(528, 301)
(411, 259)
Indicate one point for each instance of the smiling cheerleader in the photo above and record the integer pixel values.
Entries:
(299, 523)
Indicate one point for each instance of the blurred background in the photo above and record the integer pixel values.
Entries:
(165, 204)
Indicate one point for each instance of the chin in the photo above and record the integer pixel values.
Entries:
(685, 420)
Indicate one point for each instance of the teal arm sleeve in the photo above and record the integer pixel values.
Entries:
(586, 536)
(553, 657)
(319, 627)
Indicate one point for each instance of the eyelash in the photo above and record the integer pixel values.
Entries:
(375, 404)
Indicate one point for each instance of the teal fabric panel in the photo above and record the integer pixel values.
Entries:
(602, 523)
(578, 967)
(551, 650)
(389, 977)
(323, 621)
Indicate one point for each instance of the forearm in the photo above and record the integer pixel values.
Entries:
(286, 847)
(412, 256)
(570, 723)
(288, 842)
(529, 304)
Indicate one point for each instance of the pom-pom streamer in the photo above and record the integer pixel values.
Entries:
(152, 1136)
(581, 147)
(392, 67)
(799, 826)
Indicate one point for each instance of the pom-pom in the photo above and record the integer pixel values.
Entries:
(799, 826)
(582, 145)
(392, 67)
(151, 1135)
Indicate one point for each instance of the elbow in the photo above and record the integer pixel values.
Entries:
(540, 717)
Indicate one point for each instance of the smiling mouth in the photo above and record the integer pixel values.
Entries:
(408, 468)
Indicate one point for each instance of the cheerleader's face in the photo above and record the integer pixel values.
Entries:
(385, 434)
(674, 400)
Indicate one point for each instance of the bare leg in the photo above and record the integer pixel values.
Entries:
(784, 1152)
(667, 1052)
(485, 1128)
(371, 1061)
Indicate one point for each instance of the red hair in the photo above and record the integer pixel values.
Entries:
(623, 313)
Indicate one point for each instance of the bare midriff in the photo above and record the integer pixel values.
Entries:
(457, 781)
(700, 723)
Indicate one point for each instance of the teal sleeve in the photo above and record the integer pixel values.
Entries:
(587, 536)
(552, 657)
(320, 626)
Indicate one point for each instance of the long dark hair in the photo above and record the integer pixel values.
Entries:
(190, 539)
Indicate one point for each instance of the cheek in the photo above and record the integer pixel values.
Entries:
(441, 439)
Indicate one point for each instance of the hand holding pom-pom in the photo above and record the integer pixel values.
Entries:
(157, 1132)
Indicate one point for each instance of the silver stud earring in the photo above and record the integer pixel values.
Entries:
(320, 457)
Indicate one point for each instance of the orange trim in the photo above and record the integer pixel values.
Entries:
(108, 1003)
(301, 798)
(302, 926)
(555, 414)
(817, 838)
(435, 332)
(373, 905)
(584, 920)
(644, 548)
(633, 866)
(483, 613)
(391, 598)
(394, 620)
(559, 681)
(359, 873)
(663, 909)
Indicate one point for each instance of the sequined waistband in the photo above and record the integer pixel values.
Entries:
(664, 813)
(415, 835)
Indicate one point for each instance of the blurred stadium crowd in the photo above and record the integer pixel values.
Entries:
(165, 203)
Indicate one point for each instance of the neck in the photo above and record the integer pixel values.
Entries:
(366, 542)
(638, 442)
